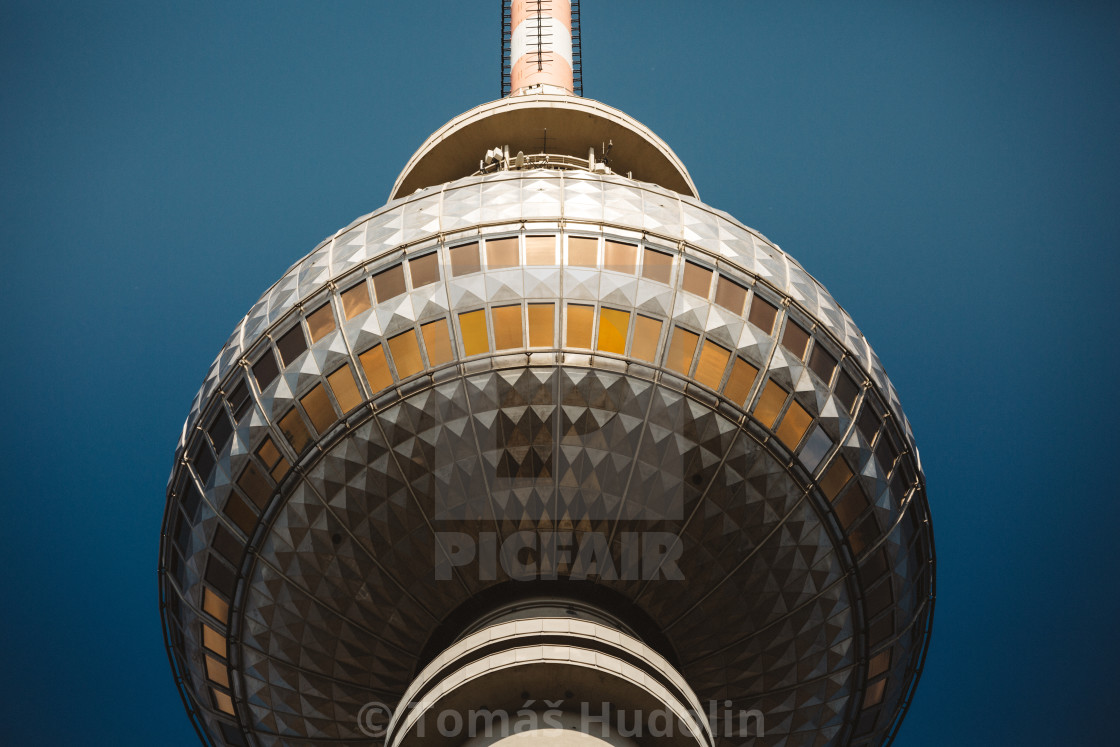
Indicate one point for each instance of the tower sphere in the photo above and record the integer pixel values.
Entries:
(546, 428)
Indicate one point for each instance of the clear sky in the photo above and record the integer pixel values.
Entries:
(948, 170)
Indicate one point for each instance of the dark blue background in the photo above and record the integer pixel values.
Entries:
(948, 171)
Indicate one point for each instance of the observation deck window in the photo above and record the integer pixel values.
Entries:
(320, 322)
(795, 423)
(769, 405)
(657, 265)
(542, 318)
(681, 349)
(711, 365)
(620, 257)
(846, 390)
(579, 325)
(540, 250)
(345, 388)
(822, 363)
(376, 368)
(795, 339)
(465, 259)
(317, 405)
(238, 399)
(437, 342)
(508, 331)
(389, 283)
(405, 350)
(472, 328)
(501, 253)
(583, 251)
(730, 295)
(613, 326)
(355, 300)
(266, 369)
(214, 605)
(293, 428)
(740, 381)
(292, 344)
(697, 279)
(424, 270)
(762, 314)
(647, 335)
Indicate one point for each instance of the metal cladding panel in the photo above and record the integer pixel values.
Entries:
(326, 461)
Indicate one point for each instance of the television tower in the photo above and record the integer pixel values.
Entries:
(546, 448)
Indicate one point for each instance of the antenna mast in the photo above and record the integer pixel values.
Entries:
(541, 49)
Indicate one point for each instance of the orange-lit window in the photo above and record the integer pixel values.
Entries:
(879, 664)
(613, 325)
(508, 332)
(223, 702)
(437, 342)
(252, 482)
(291, 425)
(214, 605)
(319, 409)
(770, 404)
(740, 381)
(465, 259)
(681, 349)
(795, 339)
(216, 671)
(730, 295)
(345, 389)
(213, 640)
(268, 452)
(647, 333)
(406, 354)
(355, 300)
(657, 266)
(835, 478)
(389, 283)
(697, 279)
(874, 694)
(583, 251)
(762, 314)
(501, 253)
(424, 270)
(376, 369)
(472, 329)
(540, 250)
(712, 363)
(320, 322)
(620, 257)
(542, 318)
(579, 326)
(794, 425)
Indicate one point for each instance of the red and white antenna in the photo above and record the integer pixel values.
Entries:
(541, 47)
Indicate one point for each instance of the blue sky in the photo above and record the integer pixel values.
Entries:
(948, 171)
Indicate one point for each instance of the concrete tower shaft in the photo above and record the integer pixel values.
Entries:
(541, 56)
